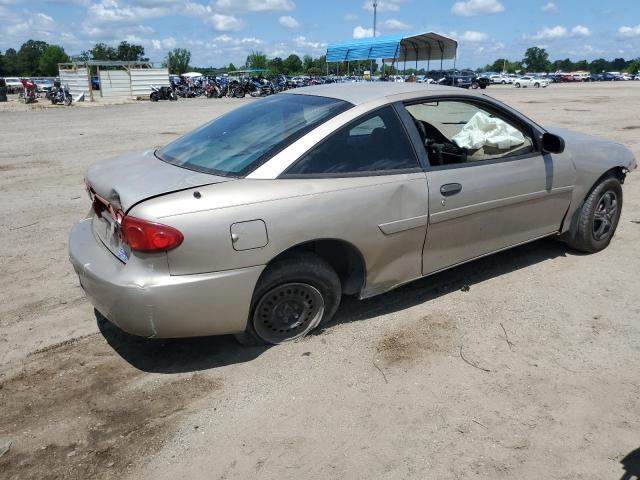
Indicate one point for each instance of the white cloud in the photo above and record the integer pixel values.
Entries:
(115, 11)
(361, 32)
(226, 23)
(474, 37)
(350, 17)
(302, 42)
(395, 25)
(549, 7)
(629, 32)
(550, 33)
(470, 8)
(164, 44)
(288, 21)
(384, 5)
(580, 31)
(255, 5)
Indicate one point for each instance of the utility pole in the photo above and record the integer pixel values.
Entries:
(375, 18)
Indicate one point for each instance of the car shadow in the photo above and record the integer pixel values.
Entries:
(176, 355)
(462, 277)
(195, 354)
(631, 465)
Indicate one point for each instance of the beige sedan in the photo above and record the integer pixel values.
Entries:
(257, 223)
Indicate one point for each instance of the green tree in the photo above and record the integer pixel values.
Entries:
(536, 59)
(307, 63)
(231, 68)
(177, 61)
(129, 52)
(618, 64)
(634, 66)
(11, 62)
(29, 57)
(599, 65)
(292, 64)
(102, 51)
(52, 56)
(276, 66)
(256, 60)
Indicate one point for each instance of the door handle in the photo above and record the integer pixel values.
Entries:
(450, 189)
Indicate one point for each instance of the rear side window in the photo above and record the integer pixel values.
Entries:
(374, 143)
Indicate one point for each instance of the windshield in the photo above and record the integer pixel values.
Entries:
(243, 139)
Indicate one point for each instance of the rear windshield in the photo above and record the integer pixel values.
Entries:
(243, 139)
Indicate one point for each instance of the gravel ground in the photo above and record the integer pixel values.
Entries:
(531, 372)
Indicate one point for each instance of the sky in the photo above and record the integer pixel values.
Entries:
(221, 31)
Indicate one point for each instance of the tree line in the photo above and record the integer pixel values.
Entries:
(38, 58)
(536, 59)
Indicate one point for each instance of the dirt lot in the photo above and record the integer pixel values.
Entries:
(384, 393)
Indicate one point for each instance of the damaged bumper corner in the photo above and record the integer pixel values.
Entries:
(142, 298)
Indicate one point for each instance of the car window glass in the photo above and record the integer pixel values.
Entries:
(374, 143)
(238, 141)
(459, 132)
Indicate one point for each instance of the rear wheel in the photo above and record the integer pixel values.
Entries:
(537, 85)
(293, 296)
(598, 217)
(239, 92)
(517, 85)
(475, 85)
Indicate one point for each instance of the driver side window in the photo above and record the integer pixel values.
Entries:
(460, 132)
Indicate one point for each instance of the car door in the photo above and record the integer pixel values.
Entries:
(486, 192)
(364, 184)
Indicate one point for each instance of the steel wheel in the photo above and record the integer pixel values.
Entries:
(605, 215)
(287, 312)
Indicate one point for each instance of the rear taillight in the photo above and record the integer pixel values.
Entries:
(144, 236)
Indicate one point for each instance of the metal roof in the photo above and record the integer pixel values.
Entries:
(422, 46)
(358, 93)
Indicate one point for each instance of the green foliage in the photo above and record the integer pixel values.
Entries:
(177, 61)
(129, 52)
(536, 59)
(29, 57)
(275, 66)
(292, 64)
(634, 66)
(52, 56)
(256, 60)
(231, 67)
(102, 51)
(11, 62)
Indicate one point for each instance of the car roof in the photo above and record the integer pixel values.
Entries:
(364, 92)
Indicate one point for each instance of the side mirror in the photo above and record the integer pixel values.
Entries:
(552, 143)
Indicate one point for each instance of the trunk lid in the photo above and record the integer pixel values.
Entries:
(118, 184)
(129, 179)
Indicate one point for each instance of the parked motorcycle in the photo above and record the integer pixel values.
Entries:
(60, 94)
(162, 93)
(29, 92)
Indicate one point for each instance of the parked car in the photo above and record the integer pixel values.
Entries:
(530, 81)
(330, 190)
(501, 79)
(14, 84)
(44, 85)
(637, 77)
(464, 79)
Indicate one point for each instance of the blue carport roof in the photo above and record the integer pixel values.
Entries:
(422, 46)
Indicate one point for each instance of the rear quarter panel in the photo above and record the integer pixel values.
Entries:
(296, 211)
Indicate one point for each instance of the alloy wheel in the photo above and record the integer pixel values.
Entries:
(605, 215)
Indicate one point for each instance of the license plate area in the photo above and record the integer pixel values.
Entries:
(108, 231)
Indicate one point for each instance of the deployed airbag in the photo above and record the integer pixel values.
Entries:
(482, 130)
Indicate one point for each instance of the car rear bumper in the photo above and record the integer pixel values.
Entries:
(142, 298)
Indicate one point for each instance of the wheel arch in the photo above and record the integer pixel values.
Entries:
(344, 257)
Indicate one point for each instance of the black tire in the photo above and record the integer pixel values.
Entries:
(537, 85)
(288, 280)
(517, 85)
(475, 85)
(238, 92)
(153, 97)
(68, 100)
(53, 101)
(589, 234)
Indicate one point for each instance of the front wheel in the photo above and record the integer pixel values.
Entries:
(154, 97)
(517, 85)
(537, 85)
(239, 92)
(67, 100)
(598, 217)
(475, 85)
(293, 296)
